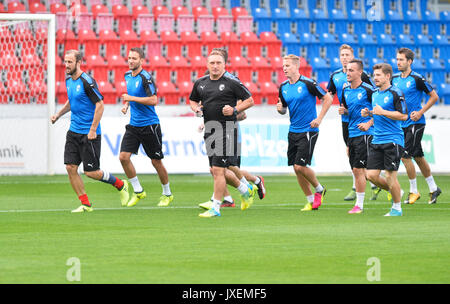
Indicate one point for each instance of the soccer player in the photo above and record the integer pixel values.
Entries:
(385, 151)
(413, 85)
(299, 93)
(357, 95)
(218, 95)
(144, 128)
(83, 139)
(337, 80)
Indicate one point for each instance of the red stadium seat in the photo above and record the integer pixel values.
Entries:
(231, 40)
(199, 11)
(180, 10)
(118, 65)
(152, 42)
(182, 68)
(37, 7)
(139, 10)
(171, 41)
(123, 16)
(60, 69)
(105, 22)
(254, 89)
(185, 23)
(167, 93)
(145, 22)
(99, 67)
(205, 23)
(165, 22)
(269, 92)
(192, 42)
(252, 42)
(272, 44)
(277, 66)
(198, 66)
(84, 21)
(159, 9)
(90, 41)
(61, 91)
(107, 91)
(2, 10)
(130, 40)
(184, 91)
(305, 68)
(262, 67)
(99, 9)
(16, 7)
(57, 8)
(121, 87)
(219, 11)
(244, 24)
(242, 68)
(67, 38)
(76, 7)
(238, 11)
(159, 65)
(224, 24)
(110, 40)
(210, 40)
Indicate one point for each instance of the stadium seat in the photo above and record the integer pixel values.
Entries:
(165, 22)
(444, 92)
(66, 38)
(139, 10)
(171, 41)
(238, 11)
(290, 43)
(224, 24)
(437, 69)
(108, 92)
(198, 66)
(299, 17)
(110, 41)
(118, 66)
(121, 87)
(254, 90)
(105, 22)
(152, 42)
(161, 67)
(61, 91)
(387, 44)
(99, 9)
(210, 40)
(270, 41)
(90, 41)
(339, 20)
(199, 11)
(130, 40)
(330, 42)
(320, 20)
(281, 19)
(262, 19)
(322, 68)
(312, 43)
(179, 10)
(2, 10)
(425, 44)
(242, 68)
(63, 21)
(167, 93)
(159, 9)
(405, 40)
(413, 21)
(244, 24)
(395, 21)
(16, 7)
(181, 67)
(145, 22)
(98, 66)
(369, 45)
(215, 3)
(205, 23)
(335, 64)
(123, 17)
(37, 7)
(269, 92)
(444, 21)
(252, 42)
(419, 66)
(192, 42)
(185, 23)
(442, 42)
(277, 68)
(231, 40)
(219, 11)
(431, 22)
(84, 22)
(262, 68)
(184, 91)
(359, 23)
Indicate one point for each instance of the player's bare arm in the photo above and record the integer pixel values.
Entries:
(395, 115)
(280, 108)
(148, 101)
(64, 110)
(416, 115)
(326, 104)
(99, 108)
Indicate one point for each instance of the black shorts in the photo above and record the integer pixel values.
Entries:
(149, 136)
(301, 148)
(358, 149)
(345, 132)
(223, 149)
(413, 139)
(79, 149)
(384, 157)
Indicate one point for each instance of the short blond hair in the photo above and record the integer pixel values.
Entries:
(346, 47)
(295, 59)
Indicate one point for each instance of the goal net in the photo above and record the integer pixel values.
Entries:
(27, 92)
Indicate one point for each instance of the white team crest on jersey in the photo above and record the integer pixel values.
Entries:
(78, 88)
(221, 87)
(386, 99)
(408, 84)
(359, 96)
(299, 89)
(137, 84)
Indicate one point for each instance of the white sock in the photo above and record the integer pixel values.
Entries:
(258, 180)
(310, 198)
(360, 199)
(353, 187)
(413, 185)
(212, 197)
(136, 184)
(431, 184)
(228, 198)
(166, 189)
(243, 189)
(319, 188)
(397, 206)
(245, 181)
(216, 205)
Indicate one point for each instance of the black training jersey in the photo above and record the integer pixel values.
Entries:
(215, 94)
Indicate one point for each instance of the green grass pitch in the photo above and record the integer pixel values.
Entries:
(272, 242)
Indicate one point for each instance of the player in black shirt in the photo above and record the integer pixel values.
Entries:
(218, 94)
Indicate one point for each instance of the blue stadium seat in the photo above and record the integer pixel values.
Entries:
(396, 22)
(291, 42)
(262, 19)
(425, 44)
(445, 20)
(358, 21)
(438, 70)
(369, 45)
(413, 20)
(393, 62)
(447, 64)
(373, 61)
(235, 3)
(405, 40)
(432, 23)
(330, 42)
(442, 42)
(322, 68)
(302, 20)
(335, 63)
(321, 20)
(387, 44)
(312, 43)
(443, 90)
(349, 39)
(340, 21)
(419, 66)
(280, 16)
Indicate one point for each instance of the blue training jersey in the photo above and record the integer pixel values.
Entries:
(413, 86)
(387, 130)
(336, 83)
(141, 85)
(83, 94)
(300, 98)
(354, 100)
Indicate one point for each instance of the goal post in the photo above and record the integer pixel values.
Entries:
(27, 86)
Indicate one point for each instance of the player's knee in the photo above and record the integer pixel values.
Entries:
(299, 169)
(156, 162)
(372, 176)
(124, 157)
(71, 169)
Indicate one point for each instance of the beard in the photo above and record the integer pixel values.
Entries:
(71, 72)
